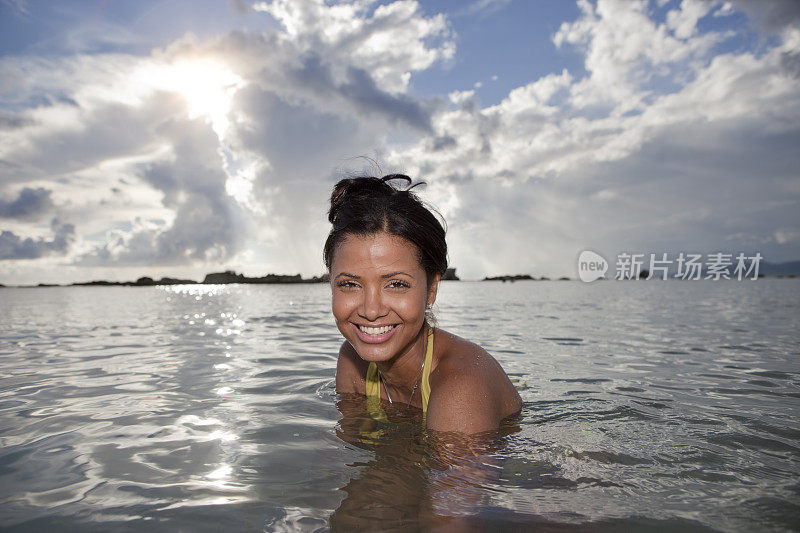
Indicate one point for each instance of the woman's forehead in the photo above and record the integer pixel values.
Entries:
(379, 252)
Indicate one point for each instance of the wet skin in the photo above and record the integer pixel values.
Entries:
(378, 282)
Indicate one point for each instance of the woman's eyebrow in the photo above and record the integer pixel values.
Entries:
(393, 274)
(389, 275)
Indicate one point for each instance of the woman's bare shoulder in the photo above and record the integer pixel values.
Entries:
(457, 356)
(451, 348)
(470, 391)
(350, 370)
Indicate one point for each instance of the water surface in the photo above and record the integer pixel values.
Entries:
(670, 405)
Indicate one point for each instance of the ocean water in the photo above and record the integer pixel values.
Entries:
(647, 406)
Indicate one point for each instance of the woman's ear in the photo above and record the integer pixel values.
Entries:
(432, 288)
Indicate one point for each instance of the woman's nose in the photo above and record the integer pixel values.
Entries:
(372, 306)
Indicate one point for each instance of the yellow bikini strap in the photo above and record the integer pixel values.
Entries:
(374, 394)
(373, 382)
(426, 372)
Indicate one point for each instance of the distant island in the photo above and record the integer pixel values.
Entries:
(790, 269)
(505, 278)
(519, 277)
(450, 275)
(215, 278)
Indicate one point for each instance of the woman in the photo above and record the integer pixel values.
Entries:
(386, 254)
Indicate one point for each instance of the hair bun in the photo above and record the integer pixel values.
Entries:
(356, 189)
(369, 206)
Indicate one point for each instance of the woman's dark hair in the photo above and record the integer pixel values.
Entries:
(369, 205)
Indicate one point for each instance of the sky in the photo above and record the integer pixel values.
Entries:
(181, 137)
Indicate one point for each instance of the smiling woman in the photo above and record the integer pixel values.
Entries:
(386, 254)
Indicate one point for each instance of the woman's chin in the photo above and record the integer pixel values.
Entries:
(371, 352)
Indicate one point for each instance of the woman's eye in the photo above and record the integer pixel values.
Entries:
(397, 284)
(346, 284)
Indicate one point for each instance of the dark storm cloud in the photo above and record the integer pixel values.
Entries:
(771, 15)
(442, 142)
(14, 247)
(30, 204)
(12, 121)
(791, 63)
(360, 90)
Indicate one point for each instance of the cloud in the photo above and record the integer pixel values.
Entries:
(357, 93)
(629, 56)
(10, 121)
(388, 41)
(20, 6)
(240, 6)
(207, 223)
(14, 247)
(772, 16)
(30, 204)
(656, 147)
(683, 21)
(485, 7)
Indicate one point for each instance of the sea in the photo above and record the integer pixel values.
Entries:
(648, 406)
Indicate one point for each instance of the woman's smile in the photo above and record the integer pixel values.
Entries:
(375, 335)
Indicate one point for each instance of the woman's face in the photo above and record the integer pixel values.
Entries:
(379, 294)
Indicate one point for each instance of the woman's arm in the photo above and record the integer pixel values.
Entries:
(470, 391)
(461, 474)
(463, 402)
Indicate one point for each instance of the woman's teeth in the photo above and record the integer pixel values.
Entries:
(375, 331)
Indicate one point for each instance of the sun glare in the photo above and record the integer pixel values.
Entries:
(206, 85)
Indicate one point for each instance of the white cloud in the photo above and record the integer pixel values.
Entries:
(683, 21)
(459, 97)
(388, 41)
(628, 54)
